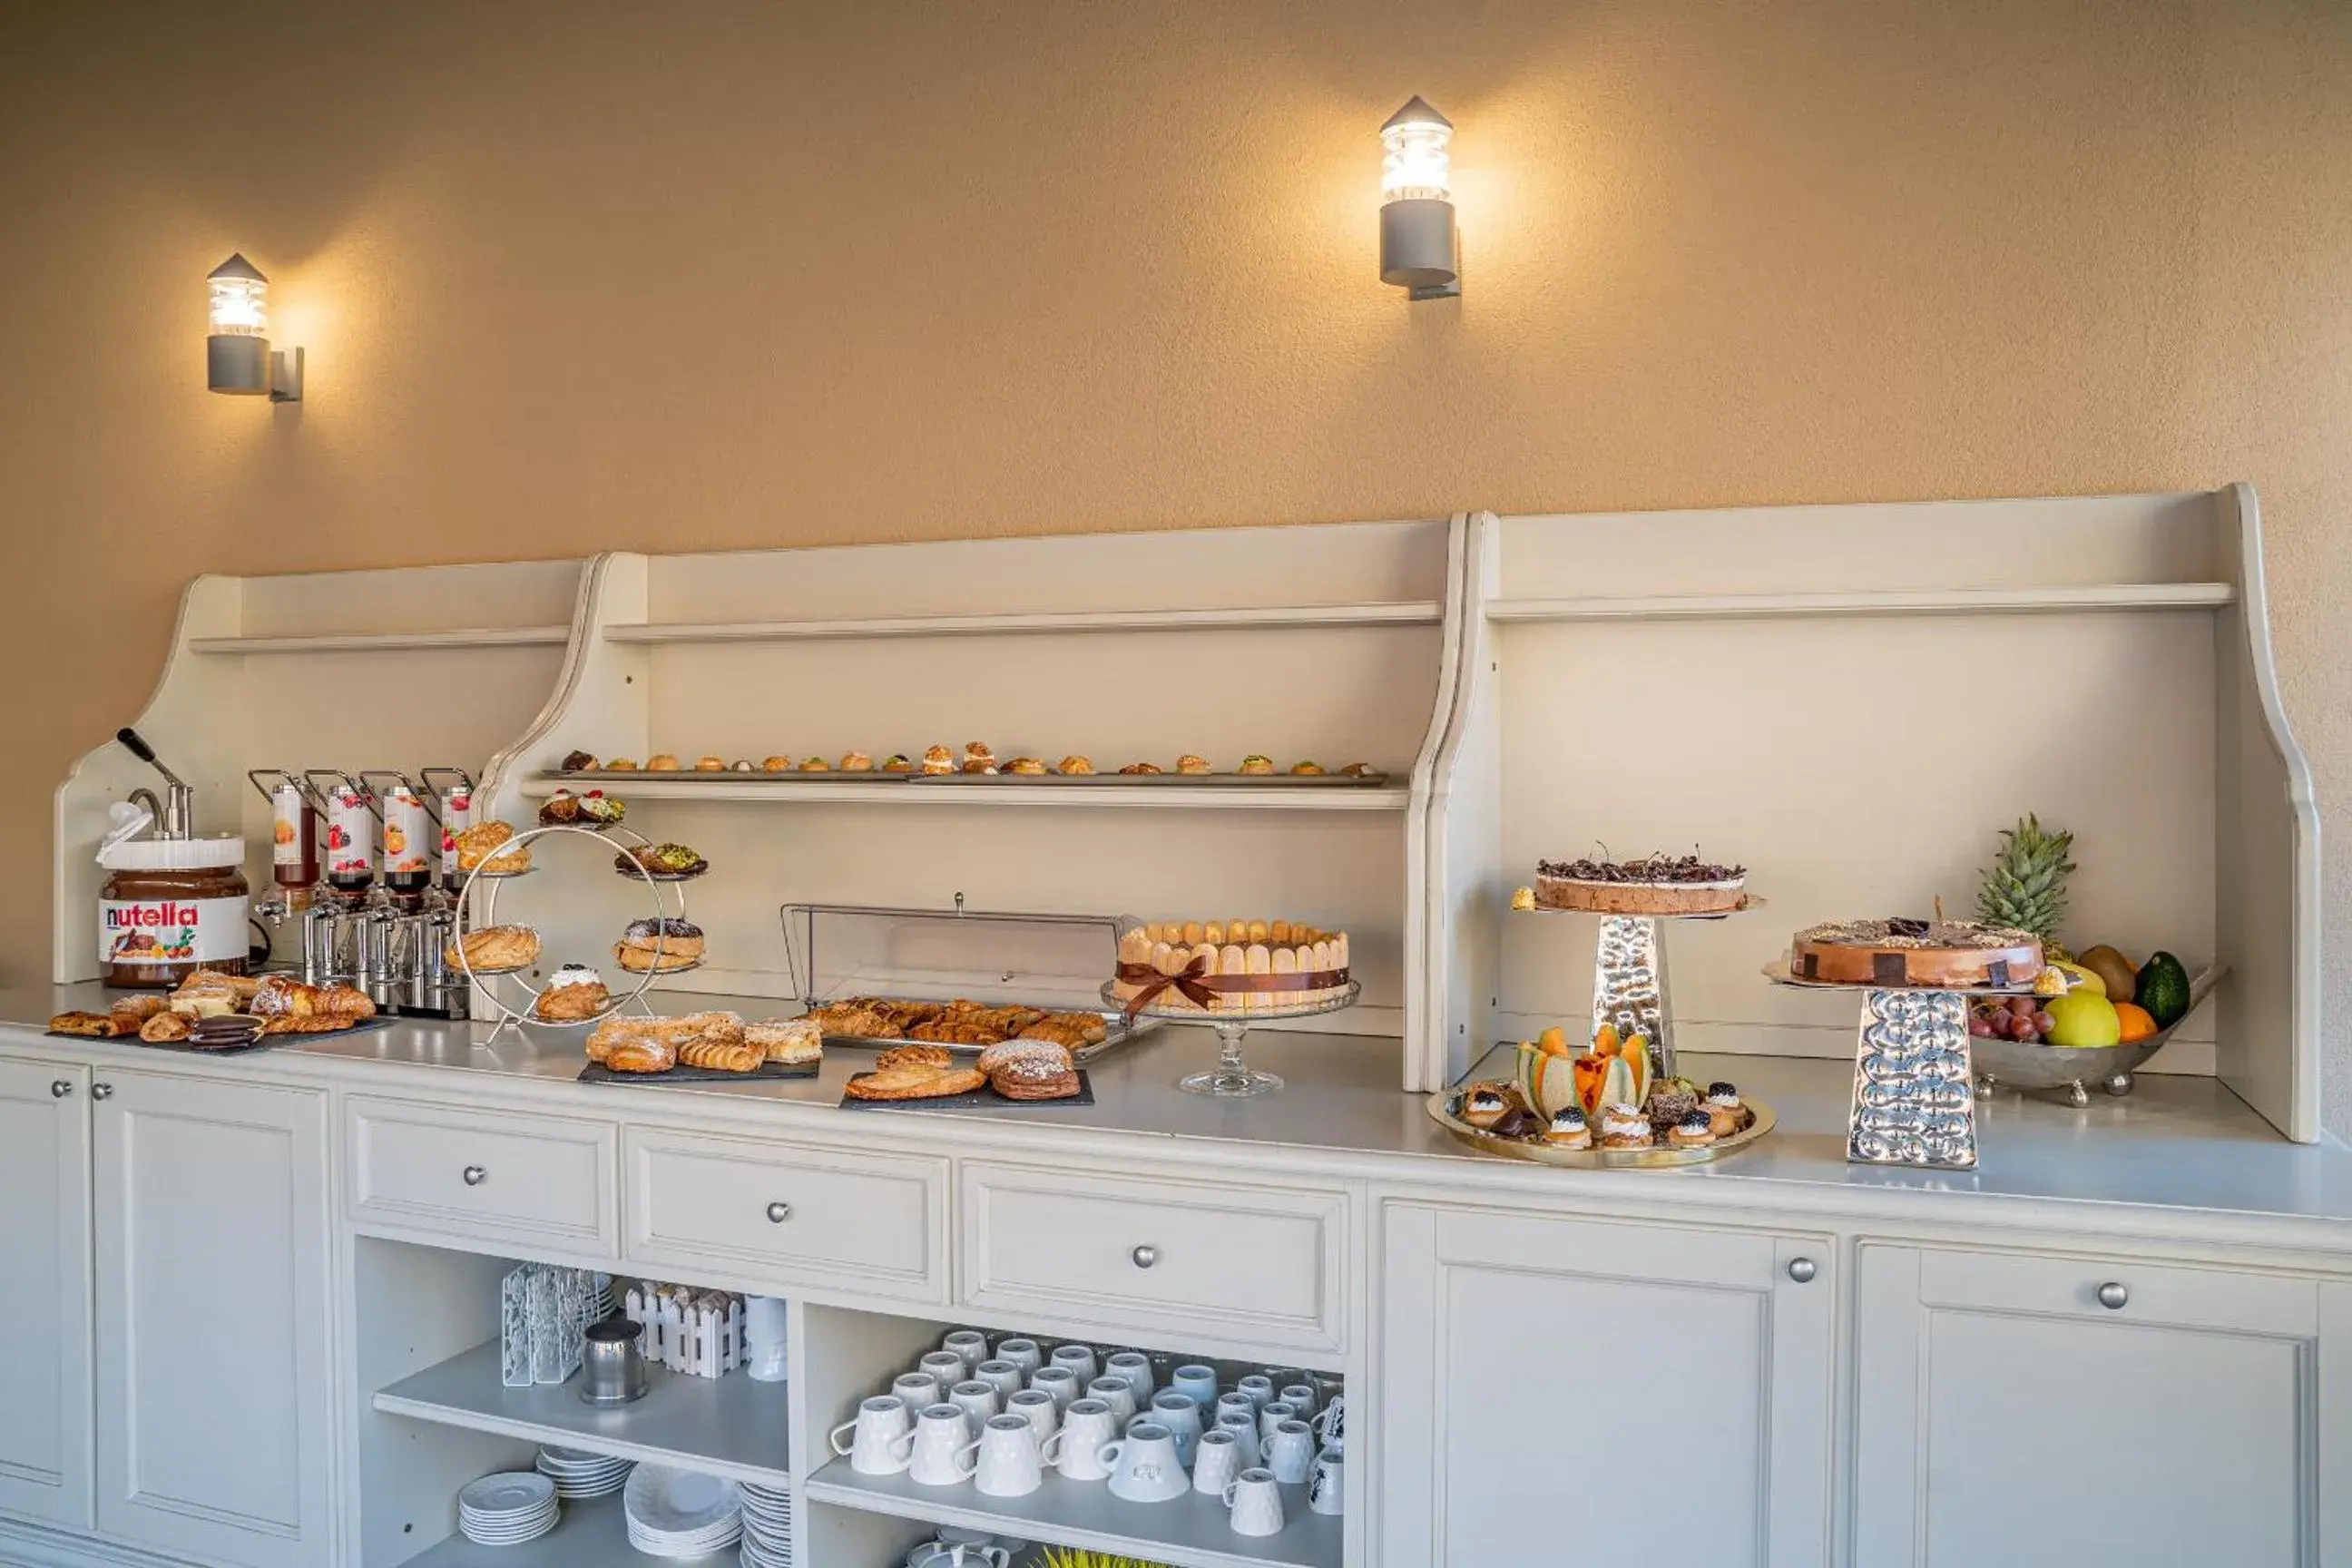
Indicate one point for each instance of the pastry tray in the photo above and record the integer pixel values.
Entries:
(766, 1072)
(1659, 1157)
(266, 1042)
(982, 1098)
(1120, 1033)
(599, 777)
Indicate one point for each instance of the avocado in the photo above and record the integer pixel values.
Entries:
(2163, 989)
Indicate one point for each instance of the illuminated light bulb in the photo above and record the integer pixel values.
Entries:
(1417, 242)
(1416, 167)
(240, 299)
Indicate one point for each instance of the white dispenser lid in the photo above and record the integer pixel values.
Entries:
(123, 850)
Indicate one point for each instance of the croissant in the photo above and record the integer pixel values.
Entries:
(641, 1055)
(720, 1055)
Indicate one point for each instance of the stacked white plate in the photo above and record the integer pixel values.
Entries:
(679, 1513)
(767, 1527)
(507, 1509)
(579, 1475)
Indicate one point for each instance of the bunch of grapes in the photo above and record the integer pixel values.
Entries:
(2019, 1018)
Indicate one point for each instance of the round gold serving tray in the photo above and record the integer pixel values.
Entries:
(1661, 1158)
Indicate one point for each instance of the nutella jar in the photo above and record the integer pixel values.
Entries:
(170, 907)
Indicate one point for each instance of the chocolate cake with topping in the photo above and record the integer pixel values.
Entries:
(1653, 885)
(1930, 955)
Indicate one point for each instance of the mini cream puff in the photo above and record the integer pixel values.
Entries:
(1691, 1132)
(1725, 1113)
(1025, 765)
(1624, 1126)
(1483, 1104)
(1190, 763)
(661, 763)
(622, 765)
(777, 765)
(816, 765)
(1257, 762)
(939, 759)
(1569, 1130)
(1075, 763)
(857, 762)
(710, 765)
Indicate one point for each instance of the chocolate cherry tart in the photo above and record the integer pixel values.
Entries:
(1654, 885)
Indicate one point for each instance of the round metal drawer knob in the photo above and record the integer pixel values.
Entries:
(475, 1176)
(2112, 1296)
(779, 1212)
(1145, 1257)
(60, 1087)
(1802, 1270)
(101, 1092)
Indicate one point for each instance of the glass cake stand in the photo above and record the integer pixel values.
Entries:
(1232, 1077)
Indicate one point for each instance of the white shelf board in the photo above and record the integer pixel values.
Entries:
(801, 791)
(388, 642)
(731, 1426)
(2022, 599)
(1413, 613)
(591, 1535)
(1190, 1532)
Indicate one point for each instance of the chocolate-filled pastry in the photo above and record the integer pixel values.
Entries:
(1518, 1122)
(576, 763)
(94, 1026)
(559, 809)
(677, 938)
(164, 1028)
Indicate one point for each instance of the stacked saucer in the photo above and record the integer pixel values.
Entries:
(507, 1509)
(579, 1475)
(767, 1527)
(679, 1513)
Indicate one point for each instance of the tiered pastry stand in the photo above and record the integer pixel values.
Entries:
(1629, 975)
(1232, 1077)
(1912, 1102)
(512, 1017)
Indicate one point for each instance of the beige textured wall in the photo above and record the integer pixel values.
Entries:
(727, 272)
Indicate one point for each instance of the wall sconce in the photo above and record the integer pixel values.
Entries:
(237, 356)
(1417, 245)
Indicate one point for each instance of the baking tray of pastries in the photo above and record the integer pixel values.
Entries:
(965, 1028)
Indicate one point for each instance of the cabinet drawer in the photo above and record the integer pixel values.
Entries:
(1246, 1266)
(794, 1214)
(488, 1177)
(2145, 1293)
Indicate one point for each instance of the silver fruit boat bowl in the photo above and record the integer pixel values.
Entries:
(2011, 1064)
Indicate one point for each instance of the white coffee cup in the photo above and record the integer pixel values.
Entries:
(1300, 1397)
(1256, 1501)
(1216, 1461)
(915, 1390)
(1058, 1381)
(1290, 1452)
(1035, 1407)
(970, 1347)
(1144, 1466)
(976, 1399)
(882, 1431)
(1180, 1415)
(1002, 1376)
(941, 1435)
(1115, 1392)
(1080, 1359)
(1275, 1413)
(1327, 1483)
(1332, 1421)
(1023, 1354)
(765, 1331)
(1196, 1383)
(1237, 1401)
(1136, 1367)
(957, 1554)
(1008, 1464)
(1085, 1432)
(1259, 1386)
(1244, 1431)
(946, 1367)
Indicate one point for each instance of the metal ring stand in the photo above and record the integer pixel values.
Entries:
(516, 1019)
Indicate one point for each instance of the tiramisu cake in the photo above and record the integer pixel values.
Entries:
(1957, 955)
(1654, 885)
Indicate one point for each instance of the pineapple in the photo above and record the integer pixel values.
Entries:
(1071, 1557)
(2025, 887)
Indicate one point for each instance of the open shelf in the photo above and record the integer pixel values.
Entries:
(1413, 613)
(2023, 599)
(591, 1535)
(1191, 1530)
(785, 790)
(388, 642)
(731, 1426)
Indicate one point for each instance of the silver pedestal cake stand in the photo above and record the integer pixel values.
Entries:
(1628, 976)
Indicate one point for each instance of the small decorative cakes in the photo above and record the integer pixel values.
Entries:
(816, 765)
(1143, 768)
(1653, 885)
(1624, 1127)
(1307, 770)
(1257, 762)
(710, 765)
(575, 994)
(977, 759)
(1693, 1131)
(1725, 1112)
(899, 762)
(939, 759)
(777, 765)
(1025, 765)
(1483, 1104)
(577, 761)
(857, 762)
(1190, 763)
(661, 763)
(622, 765)
(1569, 1130)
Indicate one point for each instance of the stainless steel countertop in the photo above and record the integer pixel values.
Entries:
(2178, 1143)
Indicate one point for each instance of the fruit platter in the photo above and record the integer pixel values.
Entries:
(2085, 1034)
(1599, 1108)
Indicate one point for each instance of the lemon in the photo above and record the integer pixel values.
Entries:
(2084, 979)
(2083, 1019)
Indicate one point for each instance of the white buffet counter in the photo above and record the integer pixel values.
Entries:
(225, 1263)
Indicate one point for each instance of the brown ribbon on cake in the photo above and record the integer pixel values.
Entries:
(1198, 986)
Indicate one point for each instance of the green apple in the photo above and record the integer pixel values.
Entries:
(2083, 1020)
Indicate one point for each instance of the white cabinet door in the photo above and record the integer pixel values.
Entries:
(214, 1424)
(44, 1456)
(1578, 1391)
(2038, 1411)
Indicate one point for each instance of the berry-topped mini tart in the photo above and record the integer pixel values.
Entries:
(1935, 954)
(1654, 885)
